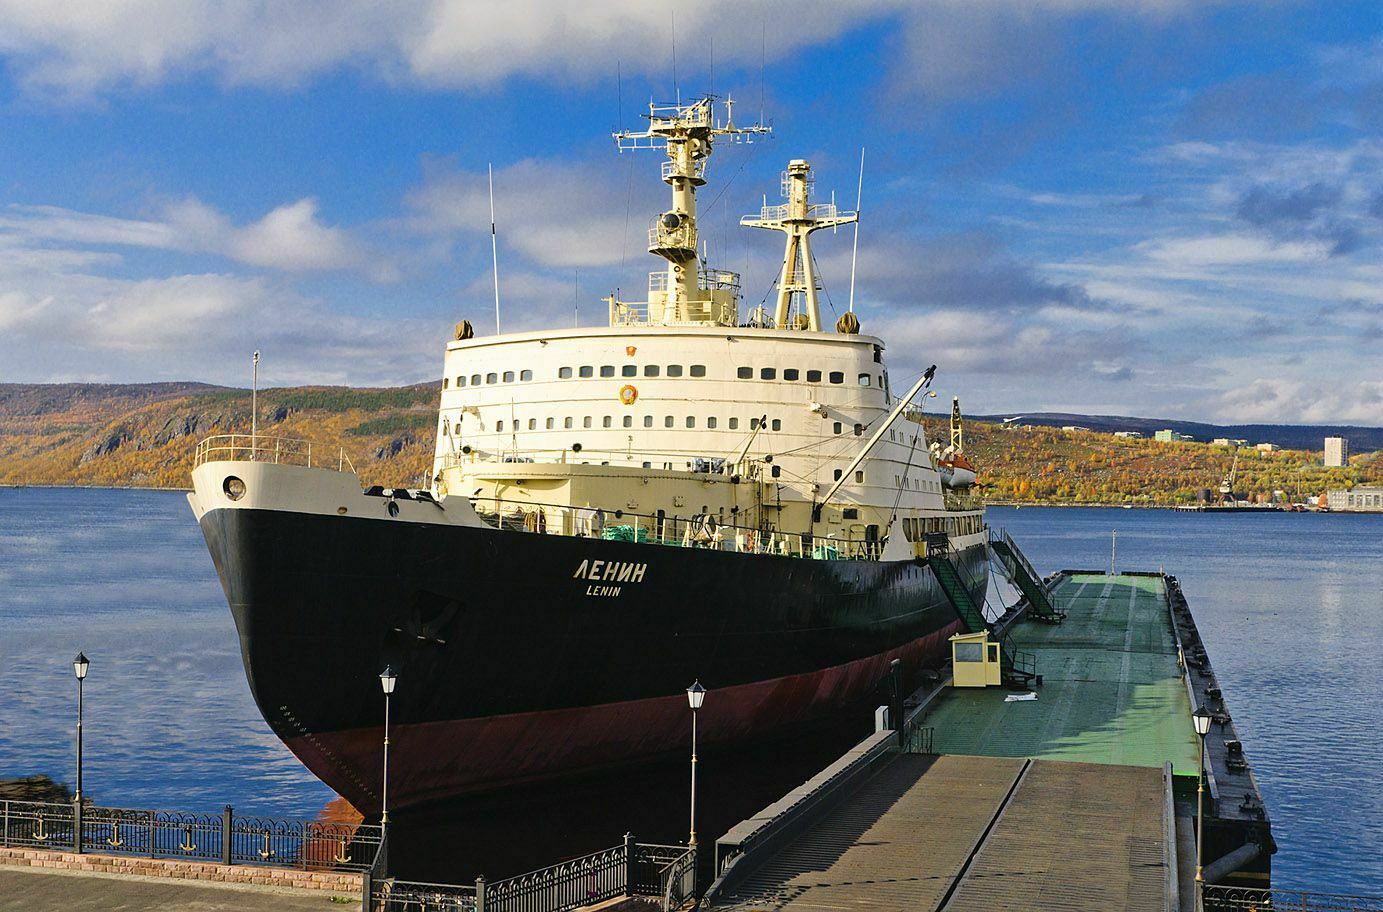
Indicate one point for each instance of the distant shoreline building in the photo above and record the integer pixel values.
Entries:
(1267, 448)
(1336, 453)
(1167, 435)
(1358, 499)
(1229, 442)
(1128, 435)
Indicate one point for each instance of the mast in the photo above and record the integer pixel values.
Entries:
(798, 218)
(684, 291)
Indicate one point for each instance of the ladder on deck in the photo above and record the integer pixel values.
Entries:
(1019, 668)
(1025, 577)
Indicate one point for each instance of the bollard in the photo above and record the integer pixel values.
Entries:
(628, 864)
(226, 835)
(480, 893)
(77, 825)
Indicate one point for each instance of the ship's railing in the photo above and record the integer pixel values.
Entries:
(227, 837)
(1216, 898)
(698, 169)
(278, 450)
(783, 211)
(692, 531)
(663, 872)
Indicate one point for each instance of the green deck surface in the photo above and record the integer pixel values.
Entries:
(1111, 691)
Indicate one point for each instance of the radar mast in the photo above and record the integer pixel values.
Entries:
(687, 290)
(798, 218)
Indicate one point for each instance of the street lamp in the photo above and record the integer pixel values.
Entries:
(387, 679)
(1201, 718)
(696, 695)
(79, 667)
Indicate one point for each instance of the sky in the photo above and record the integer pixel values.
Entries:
(1167, 208)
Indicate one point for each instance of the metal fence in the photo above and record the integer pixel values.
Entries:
(226, 838)
(278, 450)
(667, 873)
(1248, 899)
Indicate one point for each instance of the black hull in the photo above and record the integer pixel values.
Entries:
(524, 656)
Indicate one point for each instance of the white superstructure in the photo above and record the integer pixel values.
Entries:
(683, 408)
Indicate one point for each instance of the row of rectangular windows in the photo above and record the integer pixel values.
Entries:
(774, 424)
(654, 370)
(915, 528)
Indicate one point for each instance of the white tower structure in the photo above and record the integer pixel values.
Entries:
(798, 218)
(687, 291)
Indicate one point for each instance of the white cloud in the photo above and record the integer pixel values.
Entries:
(1231, 250)
(290, 238)
(84, 48)
(1276, 400)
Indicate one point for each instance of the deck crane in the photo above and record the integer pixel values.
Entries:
(1227, 483)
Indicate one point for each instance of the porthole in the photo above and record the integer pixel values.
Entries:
(393, 508)
(233, 487)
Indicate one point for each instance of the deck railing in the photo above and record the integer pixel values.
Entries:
(227, 837)
(694, 531)
(277, 450)
(1215, 898)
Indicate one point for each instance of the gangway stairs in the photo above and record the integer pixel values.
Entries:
(1019, 668)
(1025, 577)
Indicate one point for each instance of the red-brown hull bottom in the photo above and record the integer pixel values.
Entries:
(434, 761)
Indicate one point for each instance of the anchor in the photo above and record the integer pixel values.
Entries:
(39, 834)
(115, 841)
(266, 853)
(342, 854)
(187, 845)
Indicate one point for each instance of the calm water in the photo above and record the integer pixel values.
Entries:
(1291, 607)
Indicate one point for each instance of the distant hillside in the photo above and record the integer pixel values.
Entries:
(146, 434)
(1289, 436)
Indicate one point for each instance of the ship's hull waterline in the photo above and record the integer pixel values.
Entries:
(524, 657)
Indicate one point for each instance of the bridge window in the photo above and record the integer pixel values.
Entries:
(859, 430)
(837, 376)
(768, 373)
(813, 376)
(445, 382)
(461, 381)
(734, 424)
(864, 379)
(606, 421)
(564, 373)
(836, 475)
(790, 373)
(674, 370)
(607, 370)
(776, 425)
(648, 421)
(567, 422)
(691, 421)
(745, 373)
(629, 370)
(628, 420)
(499, 426)
(586, 370)
(475, 379)
(551, 423)
(837, 428)
(586, 421)
(525, 375)
(492, 378)
(753, 424)
(859, 477)
(710, 422)
(651, 370)
(777, 471)
(508, 376)
(667, 422)
(532, 424)
(698, 370)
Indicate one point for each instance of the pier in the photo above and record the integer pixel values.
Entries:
(1078, 794)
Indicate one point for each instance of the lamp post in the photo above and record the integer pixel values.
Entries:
(696, 695)
(79, 667)
(1201, 718)
(387, 679)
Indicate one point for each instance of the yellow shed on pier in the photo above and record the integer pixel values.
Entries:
(975, 661)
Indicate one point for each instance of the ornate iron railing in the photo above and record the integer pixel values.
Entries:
(277, 450)
(1249, 899)
(667, 873)
(226, 837)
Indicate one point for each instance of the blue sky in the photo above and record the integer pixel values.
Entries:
(1156, 207)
